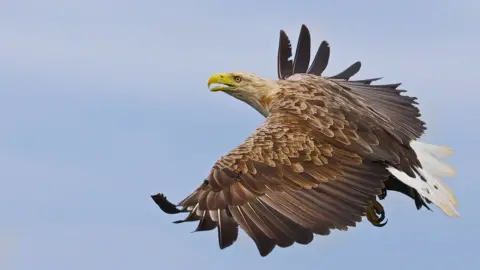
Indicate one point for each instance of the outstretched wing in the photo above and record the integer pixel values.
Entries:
(385, 98)
(287, 181)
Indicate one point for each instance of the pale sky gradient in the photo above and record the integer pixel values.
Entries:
(103, 103)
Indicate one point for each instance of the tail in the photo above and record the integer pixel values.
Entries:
(428, 181)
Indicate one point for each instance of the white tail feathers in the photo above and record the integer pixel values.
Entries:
(433, 189)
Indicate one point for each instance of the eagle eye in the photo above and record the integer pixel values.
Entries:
(237, 79)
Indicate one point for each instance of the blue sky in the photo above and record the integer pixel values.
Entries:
(103, 103)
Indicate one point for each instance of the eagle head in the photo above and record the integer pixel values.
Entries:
(248, 87)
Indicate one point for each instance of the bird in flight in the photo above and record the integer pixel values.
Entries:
(328, 150)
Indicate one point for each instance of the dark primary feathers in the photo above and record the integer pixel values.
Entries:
(320, 61)
(284, 64)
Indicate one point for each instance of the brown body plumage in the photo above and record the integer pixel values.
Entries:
(318, 161)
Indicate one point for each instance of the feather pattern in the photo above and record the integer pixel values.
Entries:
(377, 97)
(327, 149)
(288, 180)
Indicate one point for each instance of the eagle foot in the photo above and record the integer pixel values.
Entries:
(376, 215)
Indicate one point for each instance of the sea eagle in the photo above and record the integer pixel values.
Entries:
(329, 146)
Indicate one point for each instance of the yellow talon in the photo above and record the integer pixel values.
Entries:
(376, 214)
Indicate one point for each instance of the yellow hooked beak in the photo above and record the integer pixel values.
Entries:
(224, 82)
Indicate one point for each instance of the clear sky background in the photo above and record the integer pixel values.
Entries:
(103, 103)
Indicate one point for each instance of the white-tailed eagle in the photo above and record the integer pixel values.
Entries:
(328, 148)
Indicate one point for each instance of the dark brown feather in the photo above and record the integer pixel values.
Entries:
(349, 72)
(227, 229)
(264, 244)
(284, 63)
(302, 54)
(320, 62)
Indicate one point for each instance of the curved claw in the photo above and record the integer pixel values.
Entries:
(376, 215)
